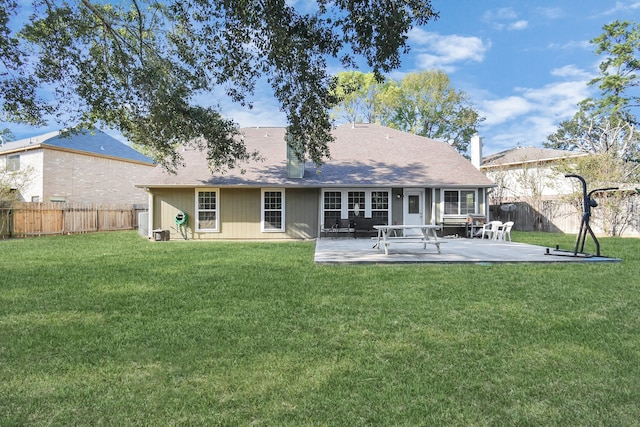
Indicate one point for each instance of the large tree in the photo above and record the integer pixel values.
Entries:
(139, 65)
(423, 103)
(618, 80)
(356, 96)
(426, 104)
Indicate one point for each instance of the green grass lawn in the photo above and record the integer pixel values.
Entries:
(110, 329)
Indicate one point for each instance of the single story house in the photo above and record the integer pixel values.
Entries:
(85, 167)
(374, 174)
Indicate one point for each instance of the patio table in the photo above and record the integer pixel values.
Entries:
(427, 235)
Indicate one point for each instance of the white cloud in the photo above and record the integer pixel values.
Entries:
(504, 18)
(571, 45)
(503, 13)
(499, 111)
(550, 12)
(518, 25)
(434, 50)
(572, 71)
(531, 115)
(622, 7)
(558, 100)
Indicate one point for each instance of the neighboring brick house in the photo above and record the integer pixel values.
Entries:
(87, 167)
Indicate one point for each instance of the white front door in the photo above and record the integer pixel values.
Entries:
(413, 210)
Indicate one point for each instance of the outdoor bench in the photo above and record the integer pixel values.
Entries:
(340, 226)
(457, 223)
(366, 225)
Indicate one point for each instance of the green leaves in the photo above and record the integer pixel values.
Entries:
(423, 103)
(139, 65)
(620, 43)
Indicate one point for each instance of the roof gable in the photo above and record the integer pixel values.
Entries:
(362, 155)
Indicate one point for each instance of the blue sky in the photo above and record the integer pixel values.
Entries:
(524, 64)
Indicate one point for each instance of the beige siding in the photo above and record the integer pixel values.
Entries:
(302, 214)
(240, 214)
(166, 204)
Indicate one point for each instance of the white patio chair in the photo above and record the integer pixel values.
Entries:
(490, 229)
(504, 231)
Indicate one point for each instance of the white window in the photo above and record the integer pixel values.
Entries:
(380, 205)
(459, 202)
(272, 210)
(207, 208)
(332, 208)
(13, 162)
(355, 203)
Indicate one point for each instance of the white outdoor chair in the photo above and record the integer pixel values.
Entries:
(504, 231)
(490, 229)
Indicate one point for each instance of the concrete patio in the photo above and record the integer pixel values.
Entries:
(346, 250)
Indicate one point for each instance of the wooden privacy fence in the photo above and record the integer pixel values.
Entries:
(25, 219)
(558, 216)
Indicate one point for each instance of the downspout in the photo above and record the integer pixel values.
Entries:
(434, 218)
(150, 219)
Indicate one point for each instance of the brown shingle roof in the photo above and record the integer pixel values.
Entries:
(362, 155)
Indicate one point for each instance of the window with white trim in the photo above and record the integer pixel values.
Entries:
(332, 208)
(355, 203)
(380, 205)
(273, 210)
(207, 207)
(459, 202)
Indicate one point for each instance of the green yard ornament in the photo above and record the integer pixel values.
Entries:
(182, 221)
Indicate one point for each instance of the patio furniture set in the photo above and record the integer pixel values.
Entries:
(423, 234)
(496, 230)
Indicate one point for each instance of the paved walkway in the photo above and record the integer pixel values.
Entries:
(460, 250)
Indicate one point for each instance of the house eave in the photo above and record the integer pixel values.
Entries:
(530, 161)
(316, 185)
